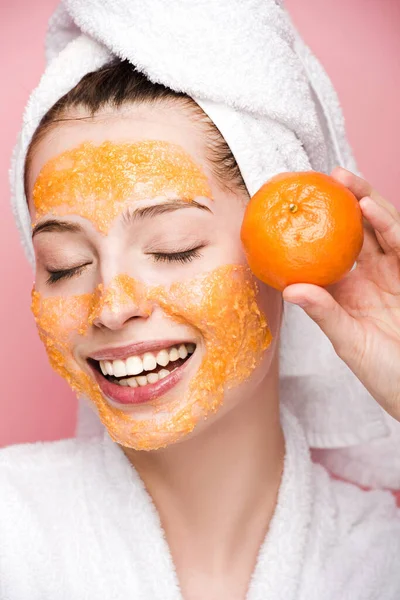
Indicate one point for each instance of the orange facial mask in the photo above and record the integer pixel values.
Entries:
(96, 182)
(220, 307)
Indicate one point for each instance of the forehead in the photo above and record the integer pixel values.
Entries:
(97, 182)
(130, 124)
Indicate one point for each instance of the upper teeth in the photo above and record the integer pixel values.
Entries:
(134, 365)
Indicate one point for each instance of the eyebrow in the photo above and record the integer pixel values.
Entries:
(55, 225)
(128, 216)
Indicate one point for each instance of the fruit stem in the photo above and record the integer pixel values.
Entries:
(293, 208)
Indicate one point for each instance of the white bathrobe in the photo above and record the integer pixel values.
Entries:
(76, 522)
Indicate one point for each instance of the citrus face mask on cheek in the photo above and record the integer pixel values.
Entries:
(96, 182)
(220, 307)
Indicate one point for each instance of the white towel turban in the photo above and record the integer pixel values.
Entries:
(245, 64)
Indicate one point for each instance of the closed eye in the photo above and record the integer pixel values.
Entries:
(58, 275)
(183, 256)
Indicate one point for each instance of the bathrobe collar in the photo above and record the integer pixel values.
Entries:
(280, 559)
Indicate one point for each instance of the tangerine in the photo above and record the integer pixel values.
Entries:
(302, 227)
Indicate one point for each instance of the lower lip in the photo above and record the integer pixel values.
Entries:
(139, 395)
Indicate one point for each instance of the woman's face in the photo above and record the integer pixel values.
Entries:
(142, 296)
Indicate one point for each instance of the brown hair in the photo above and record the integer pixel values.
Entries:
(119, 82)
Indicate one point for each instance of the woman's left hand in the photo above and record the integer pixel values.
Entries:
(360, 314)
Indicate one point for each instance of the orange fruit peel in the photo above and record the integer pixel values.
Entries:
(302, 227)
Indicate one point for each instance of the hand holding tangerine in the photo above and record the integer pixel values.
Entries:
(304, 227)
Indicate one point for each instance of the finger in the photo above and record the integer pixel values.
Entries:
(341, 328)
(360, 188)
(371, 247)
(374, 243)
(386, 226)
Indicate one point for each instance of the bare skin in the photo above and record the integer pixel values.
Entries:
(215, 490)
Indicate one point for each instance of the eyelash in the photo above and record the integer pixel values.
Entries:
(184, 256)
(55, 276)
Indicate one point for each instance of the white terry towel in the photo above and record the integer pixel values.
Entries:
(76, 522)
(247, 67)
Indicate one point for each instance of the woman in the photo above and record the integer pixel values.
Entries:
(146, 306)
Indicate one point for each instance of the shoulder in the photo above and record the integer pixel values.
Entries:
(25, 455)
(32, 459)
(43, 487)
(355, 539)
(363, 510)
(37, 472)
(351, 511)
(60, 503)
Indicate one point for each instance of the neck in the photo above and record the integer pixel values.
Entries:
(215, 487)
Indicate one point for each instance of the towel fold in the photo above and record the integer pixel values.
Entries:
(247, 67)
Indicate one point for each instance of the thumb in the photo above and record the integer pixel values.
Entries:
(321, 307)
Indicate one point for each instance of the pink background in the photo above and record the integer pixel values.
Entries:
(359, 44)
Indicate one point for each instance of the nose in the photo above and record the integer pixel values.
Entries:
(122, 301)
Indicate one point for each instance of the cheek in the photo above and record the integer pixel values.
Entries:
(230, 253)
(223, 307)
(60, 321)
(271, 304)
(58, 318)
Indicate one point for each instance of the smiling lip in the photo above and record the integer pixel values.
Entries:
(135, 349)
(139, 395)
